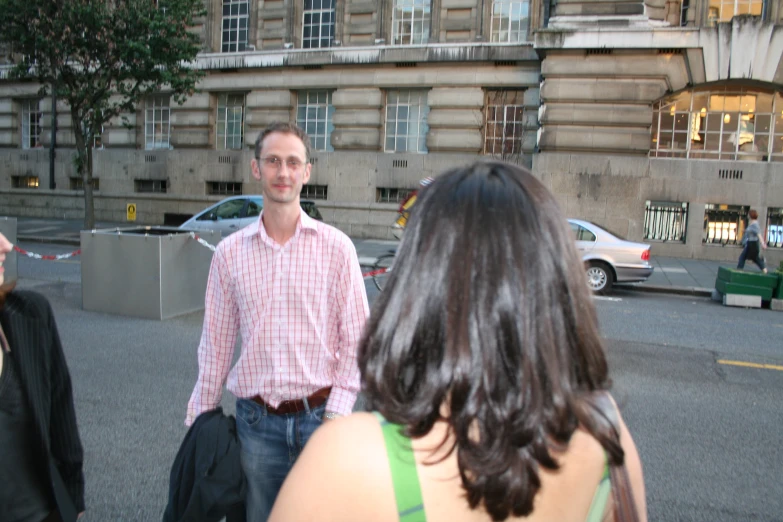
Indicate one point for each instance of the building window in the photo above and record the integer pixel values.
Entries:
(406, 121)
(775, 227)
(724, 224)
(730, 123)
(97, 139)
(77, 183)
(725, 10)
(504, 121)
(236, 16)
(152, 185)
(314, 111)
(665, 221)
(24, 182)
(510, 20)
(224, 188)
(392, 195)
(314, 191)
(31, 124)
(157, 128)
(318, 24)
(410, 22)
(230, 121)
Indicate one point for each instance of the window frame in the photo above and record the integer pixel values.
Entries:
(721, 8)
(491, 107)
(332, 11)
(395, 103)
(713, 118)
(227, 104)
(739, 213)
(154, 140)
(496, 17)
(31, 130)
(324, 113)
(234, 45)
(398, 37)
(665, 221)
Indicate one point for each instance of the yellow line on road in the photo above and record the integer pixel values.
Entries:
(751, 365)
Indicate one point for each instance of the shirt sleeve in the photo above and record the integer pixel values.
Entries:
(218, 338)
(353, 312)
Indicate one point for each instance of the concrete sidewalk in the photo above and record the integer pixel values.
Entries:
(671, 275)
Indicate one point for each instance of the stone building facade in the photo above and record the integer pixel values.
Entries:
(660, 119)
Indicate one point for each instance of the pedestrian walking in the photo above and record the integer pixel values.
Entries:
(291, 287)
(41, 478)
(484, 365)
(752, 244)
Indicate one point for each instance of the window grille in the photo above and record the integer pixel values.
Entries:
(24, 182)
(151, 185)
(230, 121)
(504, 121)
(314, 191)
(314, 111)
(729, 123)
(775, 227)
(510, 20)
(31, 124)
(406, 121)
(318, 24)
(665, 221)
(236, 16)
(411, 22)
(392, 195)
(724, 224)
(224, 188)
(157, 126)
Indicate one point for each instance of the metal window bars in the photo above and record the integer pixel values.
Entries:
(775, 227)
(724, 224)
(665, 221)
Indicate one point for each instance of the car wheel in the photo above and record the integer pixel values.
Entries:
(599, 277)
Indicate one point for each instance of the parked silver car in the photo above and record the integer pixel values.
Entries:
(236, 212)
(609, 259)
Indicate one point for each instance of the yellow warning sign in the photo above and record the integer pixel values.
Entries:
(131, 211)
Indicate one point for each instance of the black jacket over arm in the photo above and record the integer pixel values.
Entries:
(28, 323)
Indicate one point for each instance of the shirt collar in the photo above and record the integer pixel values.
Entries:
(256, 228)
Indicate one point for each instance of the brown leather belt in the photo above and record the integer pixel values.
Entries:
(294, 406)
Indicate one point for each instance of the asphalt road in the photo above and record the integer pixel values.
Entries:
(709, 433)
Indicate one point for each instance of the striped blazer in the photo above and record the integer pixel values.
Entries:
(29, 326)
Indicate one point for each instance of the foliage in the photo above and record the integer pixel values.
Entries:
(102, 57)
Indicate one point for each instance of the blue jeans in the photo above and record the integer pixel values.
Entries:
(270, 444)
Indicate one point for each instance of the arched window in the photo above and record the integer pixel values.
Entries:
(725, 123)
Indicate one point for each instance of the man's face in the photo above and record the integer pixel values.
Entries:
(282, 168)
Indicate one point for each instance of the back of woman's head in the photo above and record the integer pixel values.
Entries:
(486, 322)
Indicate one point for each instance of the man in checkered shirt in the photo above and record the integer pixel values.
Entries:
(291, 287)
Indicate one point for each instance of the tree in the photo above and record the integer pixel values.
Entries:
(102, 57)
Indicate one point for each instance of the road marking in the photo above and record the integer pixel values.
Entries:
(367, 261)
(751, 365)
(604, 298)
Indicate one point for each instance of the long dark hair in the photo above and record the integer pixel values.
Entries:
(487, 312)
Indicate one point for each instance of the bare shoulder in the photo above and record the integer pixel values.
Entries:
(633, 464)
(343, 463)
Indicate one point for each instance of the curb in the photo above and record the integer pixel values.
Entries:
(677, 290)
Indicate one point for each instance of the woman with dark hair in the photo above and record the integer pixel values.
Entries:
(41, 455)
(484, 366)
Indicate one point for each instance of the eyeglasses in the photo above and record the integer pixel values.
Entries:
(273, 162)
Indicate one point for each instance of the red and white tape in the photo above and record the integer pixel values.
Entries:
(202, 241)
(58, 257)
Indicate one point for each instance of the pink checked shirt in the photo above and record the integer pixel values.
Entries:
(300, 309)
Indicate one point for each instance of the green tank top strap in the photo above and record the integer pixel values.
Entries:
(405, 478)
(601, 497)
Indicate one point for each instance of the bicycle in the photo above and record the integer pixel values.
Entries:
(382, 268)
